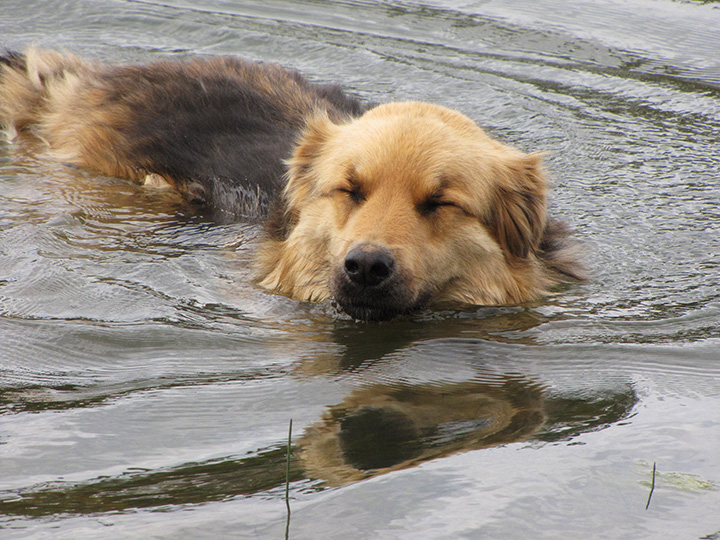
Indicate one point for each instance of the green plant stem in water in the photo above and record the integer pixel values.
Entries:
(652, 487)
(287, 481)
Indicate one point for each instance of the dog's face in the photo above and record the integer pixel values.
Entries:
(407, 205)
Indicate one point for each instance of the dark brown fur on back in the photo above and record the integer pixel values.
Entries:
(220, 123)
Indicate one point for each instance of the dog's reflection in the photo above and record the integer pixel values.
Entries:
(374, 430)
(383, 428)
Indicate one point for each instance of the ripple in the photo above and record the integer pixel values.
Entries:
(141, 366)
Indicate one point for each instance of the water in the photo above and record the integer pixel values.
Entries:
(146, 385)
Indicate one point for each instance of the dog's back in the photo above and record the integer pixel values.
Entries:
(218, 129)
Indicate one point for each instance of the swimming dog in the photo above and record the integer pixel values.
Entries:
(382, 208)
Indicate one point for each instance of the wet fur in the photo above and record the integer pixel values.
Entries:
(462, 216)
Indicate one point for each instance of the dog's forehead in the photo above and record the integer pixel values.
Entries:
(414, 144)
(425, 153)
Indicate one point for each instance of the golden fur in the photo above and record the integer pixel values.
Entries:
(404, 205)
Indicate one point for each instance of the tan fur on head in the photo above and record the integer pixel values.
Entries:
(462, 215)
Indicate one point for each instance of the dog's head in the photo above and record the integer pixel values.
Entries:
(408, 204)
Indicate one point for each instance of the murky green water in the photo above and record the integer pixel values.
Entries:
(146, 386)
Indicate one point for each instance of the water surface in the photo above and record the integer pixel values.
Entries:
(146, 385)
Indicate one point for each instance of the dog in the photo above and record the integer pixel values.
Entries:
(382, 208)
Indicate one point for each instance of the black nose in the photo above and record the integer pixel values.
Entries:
(369, 265)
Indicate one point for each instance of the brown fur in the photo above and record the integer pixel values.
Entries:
(385, 211)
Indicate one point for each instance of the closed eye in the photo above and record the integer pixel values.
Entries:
(353, 193)
(431, 206)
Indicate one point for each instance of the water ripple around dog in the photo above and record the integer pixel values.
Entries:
(141, 364)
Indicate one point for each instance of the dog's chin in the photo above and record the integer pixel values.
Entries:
(365, 312)
(380, 303)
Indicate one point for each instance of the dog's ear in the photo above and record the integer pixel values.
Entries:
(517, 214)
(301, 166)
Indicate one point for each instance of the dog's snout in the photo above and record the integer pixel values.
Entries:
(368, 265)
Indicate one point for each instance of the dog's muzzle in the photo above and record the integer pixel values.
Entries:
(369, 286)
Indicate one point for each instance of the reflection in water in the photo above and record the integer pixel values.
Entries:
(190, 483)
(374, 430)
(496, 324)
(383, 428)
